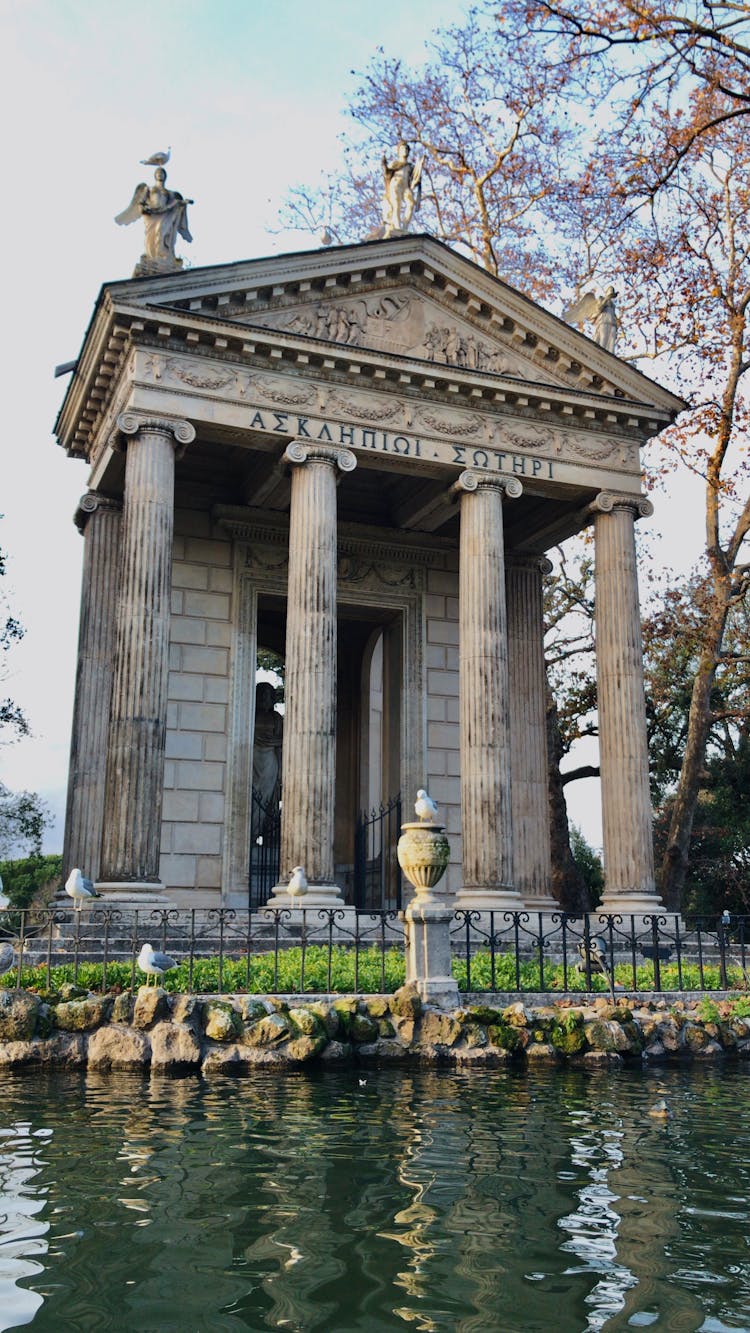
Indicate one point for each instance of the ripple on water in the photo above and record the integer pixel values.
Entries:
(477, 1202)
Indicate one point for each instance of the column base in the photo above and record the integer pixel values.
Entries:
(132, 894)
(481, 899)
(317, 896)
(544, 904)
(636, 903)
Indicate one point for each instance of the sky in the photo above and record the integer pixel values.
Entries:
(251, 96)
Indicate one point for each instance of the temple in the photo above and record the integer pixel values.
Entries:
(354, 458)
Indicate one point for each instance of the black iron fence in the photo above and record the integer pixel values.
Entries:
(534, 951)
(280, 951)
(377, 873)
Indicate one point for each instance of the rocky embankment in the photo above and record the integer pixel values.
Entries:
(233, 1034)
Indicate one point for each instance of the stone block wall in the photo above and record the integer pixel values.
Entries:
(196, 745)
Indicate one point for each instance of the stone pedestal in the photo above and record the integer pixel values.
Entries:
(423, 854)
(532, 853)
(309, 749)
(98, 519)
(484, 706)
(626, 799)
(135, 760)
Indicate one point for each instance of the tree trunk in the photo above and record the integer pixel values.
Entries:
(568, 886)
(675, 861)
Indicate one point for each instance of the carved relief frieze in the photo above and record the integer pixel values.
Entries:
(365, 573)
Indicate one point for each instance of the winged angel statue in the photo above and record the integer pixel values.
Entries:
(599, 311)
(402, 192)
(164, 214)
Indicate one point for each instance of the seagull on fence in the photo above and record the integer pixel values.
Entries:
(155, 964)
(297, 887)
(79, 888)
(425, 807)
(159, 159)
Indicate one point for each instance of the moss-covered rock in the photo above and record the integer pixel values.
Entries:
(304, 1022)
(505, 1036)
(473, 1035)
(151, 1005)
(122, 1007)
(542, 1050)
(221, 1022)
(517, 1015)
(606, 1035)
(186, 1008)
(68, 991)
(438, 1029)
(344, 1009)
(362, 1028)
(328, 1017)
(252, 1009)
(484, 1014)
(269, 1031)
(305, 1048)
(696, 1038)
(18, 1015)
(406, 1001)
(83, 1015)
(566, 1033)
(377, 1006)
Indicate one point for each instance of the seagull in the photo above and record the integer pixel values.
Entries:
(79, 888)
(155, 964)
(157, 159)
(4, 899)
(425, 807)
(7, 957)
(297, 887)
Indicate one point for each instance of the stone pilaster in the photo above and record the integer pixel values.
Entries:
(98, 520)
(309, 750)
(532, 853)
(626, 799)
(135, 760)
(486, 815)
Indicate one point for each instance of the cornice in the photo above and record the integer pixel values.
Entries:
(254, 525)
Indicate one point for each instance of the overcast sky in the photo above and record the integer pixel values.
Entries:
(251, 95)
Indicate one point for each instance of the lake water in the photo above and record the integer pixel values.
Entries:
(480, 1202)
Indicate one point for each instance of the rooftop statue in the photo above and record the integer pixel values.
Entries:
(402, 191)
(164, 214)
(600, 311)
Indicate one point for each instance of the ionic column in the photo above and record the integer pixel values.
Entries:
(486, 815)
(309, 748)
(138, 720)
(623, 749)
(98, 520)
(532, 854)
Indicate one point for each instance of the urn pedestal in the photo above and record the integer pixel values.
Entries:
(423, 854)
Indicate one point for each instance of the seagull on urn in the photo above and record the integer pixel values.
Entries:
(425, 808)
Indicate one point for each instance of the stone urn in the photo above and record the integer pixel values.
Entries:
(423, 853)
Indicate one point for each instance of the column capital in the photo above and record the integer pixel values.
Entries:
(470, 480)
(607, 501)
(297, 453)
(130, 423)
(89, 504)
(528, 560)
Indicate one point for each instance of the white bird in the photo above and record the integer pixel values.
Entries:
(157, 159)
(325, 237)
(297, 887)
(425, 807)
(79, 888)
(4, 899)
(7, 957)
(155, 964)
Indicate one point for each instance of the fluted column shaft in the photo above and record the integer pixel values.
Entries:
(138, 720)
(486, 817)
(98, 519)
(626, 799)
(309, 749)
(532, 853)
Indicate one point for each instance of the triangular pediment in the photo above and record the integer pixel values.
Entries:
(411, 298)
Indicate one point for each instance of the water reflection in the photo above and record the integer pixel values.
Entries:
(475, 1202)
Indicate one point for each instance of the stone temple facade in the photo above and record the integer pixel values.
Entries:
(356, 458)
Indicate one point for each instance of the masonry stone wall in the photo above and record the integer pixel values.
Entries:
(195, 771)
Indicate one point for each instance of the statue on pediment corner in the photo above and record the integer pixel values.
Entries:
(164, 214)
(599, 310)
(402, 193)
